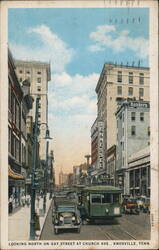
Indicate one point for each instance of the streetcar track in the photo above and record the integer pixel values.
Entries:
(108, 235)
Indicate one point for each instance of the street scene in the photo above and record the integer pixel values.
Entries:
(78, 124)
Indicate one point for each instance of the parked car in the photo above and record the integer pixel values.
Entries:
(130, 206)
(146, 204)
(65, 215)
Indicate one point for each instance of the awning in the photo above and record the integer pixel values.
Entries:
(14, 175)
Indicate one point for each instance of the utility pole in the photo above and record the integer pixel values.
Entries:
(34, 163)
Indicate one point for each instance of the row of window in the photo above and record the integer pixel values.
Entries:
(133, 116)
(28, 72)
(38, 79)
(130, 91)
(130, 77)
(14, 145)
(133, 130)
(14, 107)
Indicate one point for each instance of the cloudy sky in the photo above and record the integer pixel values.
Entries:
(77, 42)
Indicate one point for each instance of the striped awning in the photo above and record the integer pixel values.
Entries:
(14, 175)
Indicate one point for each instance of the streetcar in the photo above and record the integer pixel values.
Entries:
(101, 202)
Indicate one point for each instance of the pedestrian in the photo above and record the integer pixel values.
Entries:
(28, 200)
(10, 204)
(83, 213)
(23, 200)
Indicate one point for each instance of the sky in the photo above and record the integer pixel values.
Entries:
(77, 42)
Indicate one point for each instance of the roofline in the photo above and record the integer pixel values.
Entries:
(114, 66)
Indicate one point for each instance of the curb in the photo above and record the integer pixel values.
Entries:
(40, 231)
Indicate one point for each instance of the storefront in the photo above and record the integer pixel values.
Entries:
(16, 188)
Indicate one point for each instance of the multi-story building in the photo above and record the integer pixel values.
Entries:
(133, 134)
(38, 74)
(111, 166)
(115, 84)
(19, 103)
(139, 173)
(94, 145)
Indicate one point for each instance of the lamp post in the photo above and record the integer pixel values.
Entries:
(46, 169)
(35, 139)
(34, 166)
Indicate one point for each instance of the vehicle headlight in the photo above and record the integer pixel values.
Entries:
(61, 218)
(73, 218)
(116, 210)
(107, 210)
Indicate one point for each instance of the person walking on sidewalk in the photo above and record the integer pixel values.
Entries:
(10, 203)
(23, 200)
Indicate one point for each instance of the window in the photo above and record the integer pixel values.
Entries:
(141, 92)
(39, 73)
(20, 71)
(148, 131)
(130, 77)
(39, 115)
(133, 114)
(133, 130)
(119, 76)
(141, 78)
(20, 79)
(106, 198)
(38, 80)
(96, 198)
(142, 117)
(119, 90)
(28, 72)
(123, 117)
(38, 88)
(116, 198)
(130, 91)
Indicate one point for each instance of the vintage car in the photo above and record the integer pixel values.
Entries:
(65, 215)
(146, 204)
(130, 205)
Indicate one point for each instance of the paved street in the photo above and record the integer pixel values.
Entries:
(128, 227)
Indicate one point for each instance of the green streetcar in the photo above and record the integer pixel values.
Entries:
(102, 202)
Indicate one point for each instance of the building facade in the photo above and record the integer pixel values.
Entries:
(19, 164)
(133, 134)
(139, 173)
(39, 75)
(116, 83)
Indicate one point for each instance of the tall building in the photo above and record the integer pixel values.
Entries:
(133, 134)
(19, 104)
(38, 74)
(116, 83)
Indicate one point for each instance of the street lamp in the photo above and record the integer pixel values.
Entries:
(47, 137)
(34, 167)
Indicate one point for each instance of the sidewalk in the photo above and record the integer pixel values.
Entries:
(19, 222)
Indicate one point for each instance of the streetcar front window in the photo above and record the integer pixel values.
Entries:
(106, 198)
(96, 198)
(116, 198)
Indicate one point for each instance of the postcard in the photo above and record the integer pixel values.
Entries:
(79, 124)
